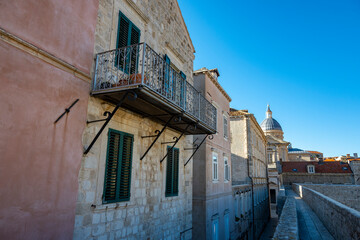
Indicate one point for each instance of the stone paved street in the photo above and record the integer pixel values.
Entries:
(310, 226)
(269, 230)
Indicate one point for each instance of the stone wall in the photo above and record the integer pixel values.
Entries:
(287, 227)
(320, 178)
(161, 25)
(148, 214)
(355, 168)
(345, 194)
(341, 221)
(212, 198)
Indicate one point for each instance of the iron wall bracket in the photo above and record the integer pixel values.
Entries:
(107, 120)
(175, 142)
(106, 114)
(158, 134)
(198, 146)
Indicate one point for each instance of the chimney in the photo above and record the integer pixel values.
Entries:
(355, 155)
(348, 155)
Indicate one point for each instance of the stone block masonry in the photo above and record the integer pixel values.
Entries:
(288, 224)
(341, 221)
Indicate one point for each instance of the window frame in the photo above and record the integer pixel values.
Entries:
(215, 171)
(311, 167)
(226, 169)
(225, 128)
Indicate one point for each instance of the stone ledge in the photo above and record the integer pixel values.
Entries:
(288, 224)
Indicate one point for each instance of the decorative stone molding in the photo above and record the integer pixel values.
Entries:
(175, 52)
(138, 11)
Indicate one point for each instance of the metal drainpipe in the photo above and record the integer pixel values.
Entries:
(252, 198)
(267, 180)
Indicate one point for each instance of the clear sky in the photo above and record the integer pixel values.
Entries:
(301, 57)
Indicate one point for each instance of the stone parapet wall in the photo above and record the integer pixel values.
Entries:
(288, 224)
(341, 221)
(319, 178)
(345, 194)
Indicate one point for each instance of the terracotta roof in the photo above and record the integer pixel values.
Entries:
(325, 167)
(329, 160)
(316, 152)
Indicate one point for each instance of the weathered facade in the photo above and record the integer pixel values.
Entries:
(46, 50)
(135, 181)
(248, 155)
(276, 150)
(212, 196)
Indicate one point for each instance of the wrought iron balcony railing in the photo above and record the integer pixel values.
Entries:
(139, 66)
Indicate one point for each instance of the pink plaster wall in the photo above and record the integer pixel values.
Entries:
(40, 161)
(64, 28)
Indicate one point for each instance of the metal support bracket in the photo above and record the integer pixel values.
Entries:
(198, 146)
(67, 110)
(106, 114)
(158, 134)
(175, 142)
(174, 138)
(107, 120)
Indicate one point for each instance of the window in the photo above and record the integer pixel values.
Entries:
(172, 172)
(236, 207)
(215, 166)
(118, 167)
(226, 169)
(226, 225)
(270, 157)
(215, 227)
(225, 127)
(128, 34)
(311, 168)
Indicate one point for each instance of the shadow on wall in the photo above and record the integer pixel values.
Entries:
(239, 170)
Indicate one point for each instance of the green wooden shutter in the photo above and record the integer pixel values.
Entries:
(169, 167)
(134, 39)
(111, 171)
(128, 34)
(123, 31)
(172, 172)
(126, 160)
(118, 167)
(175, 186)
(166, 83)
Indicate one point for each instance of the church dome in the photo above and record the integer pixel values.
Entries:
(269, 122)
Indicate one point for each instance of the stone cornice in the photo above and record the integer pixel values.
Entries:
(138, 11)
(253, 119)
(175, 52)
(42, 55)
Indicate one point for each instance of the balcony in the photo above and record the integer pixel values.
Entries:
(161, 91)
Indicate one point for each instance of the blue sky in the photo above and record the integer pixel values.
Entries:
(301, 57)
